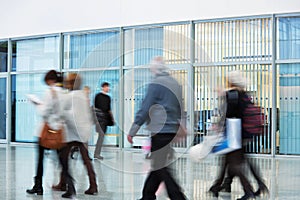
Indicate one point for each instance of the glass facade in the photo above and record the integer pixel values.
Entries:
(3, 56)
(199, 53)
(3, 112)
(91, 50)
(288, 41)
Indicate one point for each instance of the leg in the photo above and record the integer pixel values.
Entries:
(64, 154)
(61, 186)
(38, 179)
(216, 187)
(262, 188)
(159, 153)
(40, 167)
(91, 173)
(236, 170)
(173, 189)
(151, 185)
(101, 129)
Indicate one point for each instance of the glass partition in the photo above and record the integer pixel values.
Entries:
(3, 56)
(3, 112)
(92, 50)
(288, 136)
(289, 38)
(26, 122)
(38, 54)
(233, 41)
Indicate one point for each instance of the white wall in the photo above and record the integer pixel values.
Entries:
(32, 17)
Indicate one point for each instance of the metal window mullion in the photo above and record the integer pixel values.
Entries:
(212, 43)
(8, 92)
(121, 87)
(232, 24)
(191, 80)
(274, 89)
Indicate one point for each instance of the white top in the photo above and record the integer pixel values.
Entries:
(77, 116)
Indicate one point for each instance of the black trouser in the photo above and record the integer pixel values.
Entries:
(64, 158)
(40, 165)
(254, 170)
(161, 146)
(235, 164)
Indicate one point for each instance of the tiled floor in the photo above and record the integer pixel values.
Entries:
(121, 175)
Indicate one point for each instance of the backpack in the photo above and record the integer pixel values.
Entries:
(253, 119)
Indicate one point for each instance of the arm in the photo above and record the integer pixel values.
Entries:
(143, 114)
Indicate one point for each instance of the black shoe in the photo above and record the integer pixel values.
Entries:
(37, 188)
(247, 196)
(226, 188)
(214, 191)
(91, 191)
(68, 195)
(38, 191)
(261, 189)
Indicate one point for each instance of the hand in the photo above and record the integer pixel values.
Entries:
(129, 138)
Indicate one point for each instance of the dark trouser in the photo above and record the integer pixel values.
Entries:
(101, 130)
(40, 165)
(254, 170)
(64, 158)
(161, 146)
(235, 164)
(218, 182)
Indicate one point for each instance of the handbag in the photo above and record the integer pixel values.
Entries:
(51, 139)
(202, 150)
(232, 139)
(104, 118)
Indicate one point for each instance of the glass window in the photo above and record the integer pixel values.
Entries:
(25, 119)
(3, 56)
(233, 41)
(171, 42)
(3, 113)
(288, 137)
(36, 54)
(288, 38)
(92, 50)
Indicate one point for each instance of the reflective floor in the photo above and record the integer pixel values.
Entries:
(121, 175)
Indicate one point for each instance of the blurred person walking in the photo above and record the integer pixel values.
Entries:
(235, 162)
(78, 119)
(162, 110)
(51, 115)
(74, 150)
(104, 116)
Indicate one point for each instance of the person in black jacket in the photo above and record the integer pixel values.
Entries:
(235, 162)
(104, 116)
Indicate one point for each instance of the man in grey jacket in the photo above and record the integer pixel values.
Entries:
(161, 109)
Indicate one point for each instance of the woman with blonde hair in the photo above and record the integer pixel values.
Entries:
(77, 116)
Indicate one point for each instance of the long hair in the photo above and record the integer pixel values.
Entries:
(73, 81)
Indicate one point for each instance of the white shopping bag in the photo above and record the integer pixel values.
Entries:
(201, 151)
(232, 139)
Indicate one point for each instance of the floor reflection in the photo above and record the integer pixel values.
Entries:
(120, 176)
